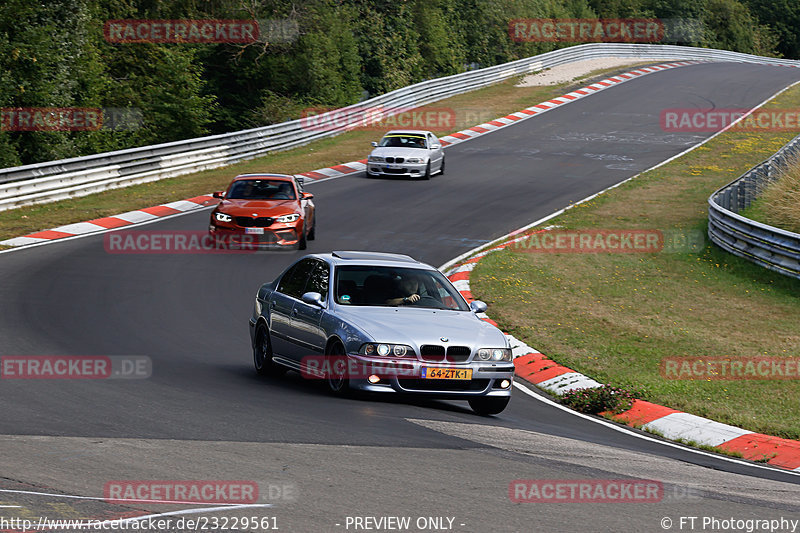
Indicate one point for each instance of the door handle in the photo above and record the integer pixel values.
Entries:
(272, 304)
(294, 312)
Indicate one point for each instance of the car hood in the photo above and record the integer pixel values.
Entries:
(263, 208)
(385, 151)
(406, 325)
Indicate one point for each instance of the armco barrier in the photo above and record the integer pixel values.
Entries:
(57, 180)
(770, 247)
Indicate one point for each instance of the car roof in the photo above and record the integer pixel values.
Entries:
(410, 132)
(362, 258)
(242, 177)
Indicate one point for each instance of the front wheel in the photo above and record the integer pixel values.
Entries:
(337, 378)
(489, 405)
(262, 354)
(427, 174)
(301, 242)
(313, 233)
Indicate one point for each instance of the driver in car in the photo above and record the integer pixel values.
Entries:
(409, 286)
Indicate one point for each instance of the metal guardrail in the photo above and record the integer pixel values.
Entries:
(66, 178)
(770, 247)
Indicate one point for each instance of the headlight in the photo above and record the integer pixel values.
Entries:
(375, 159)
(494, 354)
(222, 217)
(415, 160)
(384, 350)
(287, 218)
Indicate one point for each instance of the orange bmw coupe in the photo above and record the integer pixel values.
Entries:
(264, 210)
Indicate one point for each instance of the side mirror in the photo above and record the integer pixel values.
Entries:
(307, 196)
(374, 143)
(219, 194)
(436, 146)
(478, 306)
(313, 298)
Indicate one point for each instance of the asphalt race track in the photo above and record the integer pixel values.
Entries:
(204, 414)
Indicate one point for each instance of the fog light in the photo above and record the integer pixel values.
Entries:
(373, 379)
(505, 384)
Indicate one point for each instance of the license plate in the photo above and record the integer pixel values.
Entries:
(446, 373)
(393, 166)
(254, 231)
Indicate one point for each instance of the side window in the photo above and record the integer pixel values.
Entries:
(432, 140)
(293, 283)
(318, 281)
(299, 184)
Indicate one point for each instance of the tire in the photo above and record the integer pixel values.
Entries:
(262, 354)
(313, 233)
(489, 405)
(301, 243)
(441, 169)
(427, 174)
(338, 382)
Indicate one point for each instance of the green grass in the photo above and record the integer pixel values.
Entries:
(469, 110)
(616, 316)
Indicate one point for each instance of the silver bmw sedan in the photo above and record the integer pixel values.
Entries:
(410, 153)
(380, 323)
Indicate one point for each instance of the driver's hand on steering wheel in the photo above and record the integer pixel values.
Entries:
(414, 298)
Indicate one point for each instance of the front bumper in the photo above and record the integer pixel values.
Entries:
(406, 378)
(274, 235)
(398, 169)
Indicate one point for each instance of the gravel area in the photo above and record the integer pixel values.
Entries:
(570, 71)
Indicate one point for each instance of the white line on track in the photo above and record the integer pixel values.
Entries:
(114, 500)
(626, 430)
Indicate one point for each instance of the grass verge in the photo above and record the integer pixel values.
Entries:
(615, 317)
(469, 110)
(779, 203)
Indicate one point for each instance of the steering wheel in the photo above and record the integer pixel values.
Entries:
(429, 301)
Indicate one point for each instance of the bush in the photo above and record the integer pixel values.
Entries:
(596, 400)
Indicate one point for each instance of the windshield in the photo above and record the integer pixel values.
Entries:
(396, 287)
(403, 141)
(261, 190)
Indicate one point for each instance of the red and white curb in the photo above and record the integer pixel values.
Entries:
(182, 206)
(536, 368)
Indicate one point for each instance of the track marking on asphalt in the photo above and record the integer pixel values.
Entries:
(628, 431)
(73, 497)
